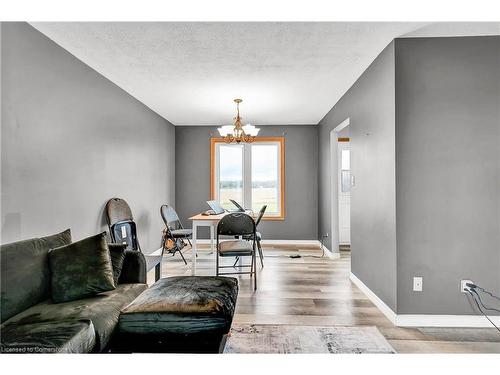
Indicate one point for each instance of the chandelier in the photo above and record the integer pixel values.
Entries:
(238, 133)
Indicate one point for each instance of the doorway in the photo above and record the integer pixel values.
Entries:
(344, 190)
(340, 174)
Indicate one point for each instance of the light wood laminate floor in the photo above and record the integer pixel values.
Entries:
(317, 291)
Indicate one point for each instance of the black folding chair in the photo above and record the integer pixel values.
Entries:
(174, 231)
(123, 229)
(258, 235)
(237, 224)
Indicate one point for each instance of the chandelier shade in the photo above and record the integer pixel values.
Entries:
(237, 132)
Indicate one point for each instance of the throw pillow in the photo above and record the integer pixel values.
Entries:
(81, 269)
(56, 240)
(117, 253)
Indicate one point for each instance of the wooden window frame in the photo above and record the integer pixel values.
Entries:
(281, 141)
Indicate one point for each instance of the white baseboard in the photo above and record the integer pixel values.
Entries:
(425, 320)
(328, 253)
(459, 321)
(275, 242)
(386, 310)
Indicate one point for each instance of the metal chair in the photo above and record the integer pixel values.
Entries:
(237, 224)
(258, 236)
(123, 229)
(174, 231)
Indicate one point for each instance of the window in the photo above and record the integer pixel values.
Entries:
(252, 174)
(230, 184)
(345, 171)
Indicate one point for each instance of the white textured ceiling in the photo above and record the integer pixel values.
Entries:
(189, 73)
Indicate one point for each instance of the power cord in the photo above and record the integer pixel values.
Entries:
(480, 309)
(482, 303)
(322, 251)
(471, 289)
(474, 286)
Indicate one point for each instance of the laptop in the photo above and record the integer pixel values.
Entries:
(216, 207)
(239, 208)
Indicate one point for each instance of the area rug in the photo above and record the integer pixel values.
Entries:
(289, 339)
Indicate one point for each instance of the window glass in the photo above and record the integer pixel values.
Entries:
(249, 173)
(230, 174)
(265, 177)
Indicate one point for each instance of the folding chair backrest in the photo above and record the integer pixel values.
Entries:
(125, 232)
(261, 213)
(236, 224)
(117, 209)
(170, 217)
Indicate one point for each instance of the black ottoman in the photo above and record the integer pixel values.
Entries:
(185, 314)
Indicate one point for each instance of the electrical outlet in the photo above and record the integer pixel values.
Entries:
(463, 285)
(418, 282)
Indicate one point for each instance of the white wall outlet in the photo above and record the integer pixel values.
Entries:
(418, 282)
(463, 286)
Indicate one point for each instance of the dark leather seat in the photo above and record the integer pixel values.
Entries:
(71, 336)
(102, 310)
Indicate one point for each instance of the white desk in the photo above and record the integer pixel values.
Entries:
(203, 221)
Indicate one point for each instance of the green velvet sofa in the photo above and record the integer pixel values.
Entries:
(32, 323)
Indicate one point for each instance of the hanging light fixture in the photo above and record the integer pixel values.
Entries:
(237, 132)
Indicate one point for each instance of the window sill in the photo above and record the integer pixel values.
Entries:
(273, 218)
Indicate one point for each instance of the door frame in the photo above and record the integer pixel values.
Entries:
(334, 183)
(341, 146)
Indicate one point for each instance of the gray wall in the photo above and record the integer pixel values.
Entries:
(448, 170)
(370, 105)
(301, 175)
(67, 132)
(425, 141)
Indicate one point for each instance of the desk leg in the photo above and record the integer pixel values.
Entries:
(212, 246)
(212, 235)
(193, 249)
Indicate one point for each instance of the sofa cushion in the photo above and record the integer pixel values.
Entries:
(81, 269)
(25, 276)
(183, 304)
(70, 336)
(117, 253)
(103, 310)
